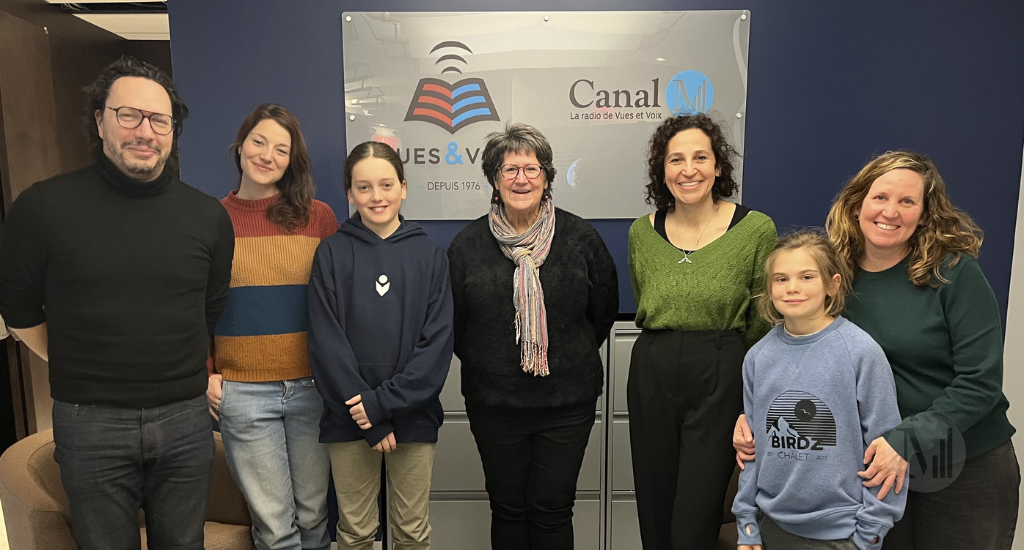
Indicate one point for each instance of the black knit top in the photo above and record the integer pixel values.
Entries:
(580, 295)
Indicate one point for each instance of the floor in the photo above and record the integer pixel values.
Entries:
(5, 546)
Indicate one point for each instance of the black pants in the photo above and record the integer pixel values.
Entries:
(978, 510)
(684, 392)
(774, 537)
(531, 460)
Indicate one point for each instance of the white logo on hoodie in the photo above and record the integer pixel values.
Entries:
(383, 285)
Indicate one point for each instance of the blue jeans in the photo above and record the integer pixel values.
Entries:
(114, 461)
(271, 434)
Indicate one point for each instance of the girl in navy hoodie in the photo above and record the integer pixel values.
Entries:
(380, 344)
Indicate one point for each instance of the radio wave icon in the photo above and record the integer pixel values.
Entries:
(451, 56)
(451, 106)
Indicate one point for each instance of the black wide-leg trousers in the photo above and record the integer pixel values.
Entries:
(684, 393)
(532, 460)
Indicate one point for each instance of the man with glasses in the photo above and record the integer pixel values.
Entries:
(117, 275)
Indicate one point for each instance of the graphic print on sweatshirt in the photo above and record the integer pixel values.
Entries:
(798, 421)
(383, 285)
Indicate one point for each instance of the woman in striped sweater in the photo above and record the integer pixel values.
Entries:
(261, 388)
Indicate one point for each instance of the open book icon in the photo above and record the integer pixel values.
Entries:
(451, 106)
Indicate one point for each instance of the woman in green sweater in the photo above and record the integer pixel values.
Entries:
(695, 266)
(920, 293)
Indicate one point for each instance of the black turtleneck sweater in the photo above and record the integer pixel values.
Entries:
(129, 276)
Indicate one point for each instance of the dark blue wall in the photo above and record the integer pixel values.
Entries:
(830, 84)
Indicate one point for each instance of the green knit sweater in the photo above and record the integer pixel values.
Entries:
(714, 291)
(945, 346)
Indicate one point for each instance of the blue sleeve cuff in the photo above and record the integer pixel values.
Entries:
(742, 522)
(868, 536)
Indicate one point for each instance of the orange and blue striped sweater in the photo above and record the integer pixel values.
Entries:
(261, 336)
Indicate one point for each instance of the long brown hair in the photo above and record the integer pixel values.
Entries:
(291, 210)
(943, 228)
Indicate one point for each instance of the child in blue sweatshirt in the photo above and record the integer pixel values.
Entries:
(380, 343)
(816, 390)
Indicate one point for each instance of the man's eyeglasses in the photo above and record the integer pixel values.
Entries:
(511, 171)
(131, 118)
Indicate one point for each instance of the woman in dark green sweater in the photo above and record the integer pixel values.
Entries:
(920, 293)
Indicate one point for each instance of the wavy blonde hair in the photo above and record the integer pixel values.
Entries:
(942, 229)
(829, 265)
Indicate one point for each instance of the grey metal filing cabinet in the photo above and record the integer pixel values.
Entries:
(605, 511)
(622, 528)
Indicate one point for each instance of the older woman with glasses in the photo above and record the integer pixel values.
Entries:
(529, 340)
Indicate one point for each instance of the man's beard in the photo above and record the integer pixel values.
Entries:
(138, 170)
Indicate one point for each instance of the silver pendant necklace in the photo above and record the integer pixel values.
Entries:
(696, 246)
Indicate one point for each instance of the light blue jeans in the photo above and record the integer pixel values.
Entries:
(271, 436)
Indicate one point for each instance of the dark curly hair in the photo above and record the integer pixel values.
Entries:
(658, 194)
(292, 210)
(98, 91)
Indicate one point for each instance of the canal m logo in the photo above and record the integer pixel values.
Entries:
(451, 106)
(689, 93)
